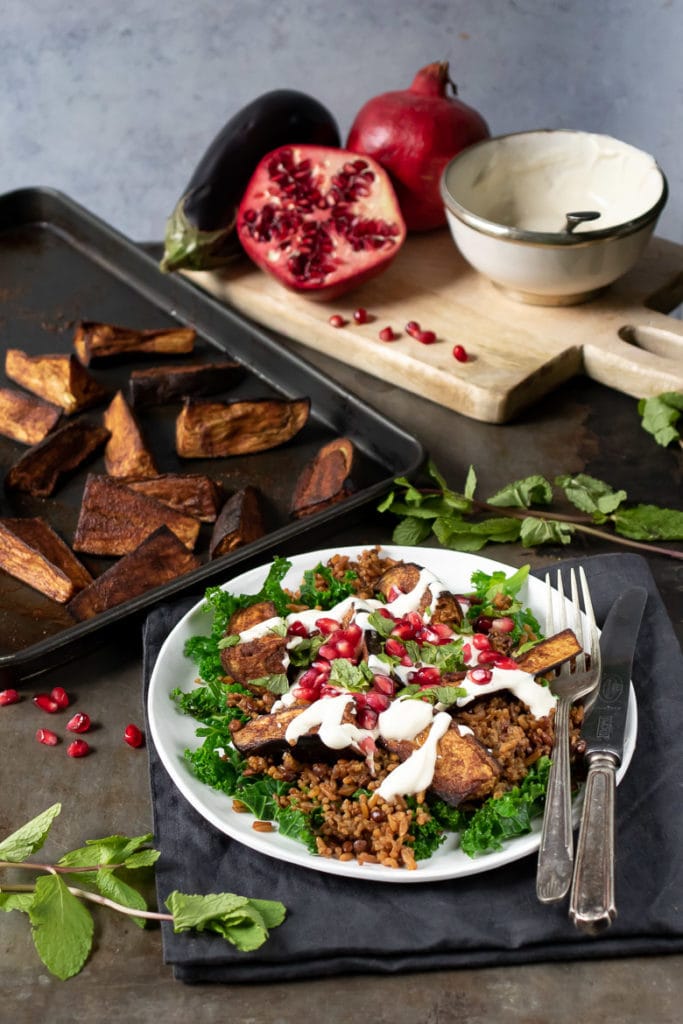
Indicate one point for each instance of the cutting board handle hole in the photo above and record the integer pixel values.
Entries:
(659, 341)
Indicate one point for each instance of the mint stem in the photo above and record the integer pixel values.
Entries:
(93, 897)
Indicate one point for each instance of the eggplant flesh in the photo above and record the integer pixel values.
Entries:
(200, 233)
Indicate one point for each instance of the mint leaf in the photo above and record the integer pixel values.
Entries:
(276, 683)
(649, 522)
(470, 483)
(243, 922)
(532, 490)
(16, 901)
(660, 414)
(30, 837)
(61, 927)
(591, 495)
(348, 676)
(113, 888)
(100, 852)
(411, 531)
(535, 532)
(461, 535)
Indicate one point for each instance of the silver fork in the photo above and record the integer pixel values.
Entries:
(575, 679)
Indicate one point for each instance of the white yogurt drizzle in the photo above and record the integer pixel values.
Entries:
(415, 774)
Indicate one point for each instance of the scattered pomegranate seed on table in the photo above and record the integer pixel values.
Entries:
(46, 703)
(79, 723)
(60, 696)
(337, 320)
(387, 334)
(9, 696)
(361, 316)
(47, 737)
(460, 353)
(426, 337)
(78, 748)
(413, 328)
(133, 736)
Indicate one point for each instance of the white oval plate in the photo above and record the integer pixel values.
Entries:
(173, 733)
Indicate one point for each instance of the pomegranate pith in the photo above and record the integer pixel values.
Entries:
(320, 220)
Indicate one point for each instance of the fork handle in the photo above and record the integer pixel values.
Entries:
(592, 906)
(556, 852)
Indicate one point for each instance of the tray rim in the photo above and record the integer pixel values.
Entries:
(185, 302)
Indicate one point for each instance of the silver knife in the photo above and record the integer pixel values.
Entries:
(592, 905)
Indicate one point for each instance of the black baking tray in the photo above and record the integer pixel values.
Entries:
(59, 264)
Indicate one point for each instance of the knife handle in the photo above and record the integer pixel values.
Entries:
(592, 906)
(556, 850)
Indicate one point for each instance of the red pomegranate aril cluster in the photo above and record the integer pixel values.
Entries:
(9, 696)
(487, 655)
(46, 702)
(60, 696)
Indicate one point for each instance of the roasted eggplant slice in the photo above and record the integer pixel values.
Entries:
(31, 551)
(126, 453)
(464, 768)
(59, 379)
(325, 479)
(40, 469)
(549, 653)
(245, 618)
(94, 340)
(189, 493)
(240, 522)
(264, 736)
(159, 385)
(160, 558)
(218, 429)
(114, 520)
(24, 418)
(254, 659)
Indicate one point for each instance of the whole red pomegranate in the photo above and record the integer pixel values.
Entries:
(321, 220)
(413, 134)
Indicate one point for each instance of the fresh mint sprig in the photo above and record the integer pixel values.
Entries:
(659, 416)
(463, 523)
(62, 927)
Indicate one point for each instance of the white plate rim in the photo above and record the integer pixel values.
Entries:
(172, 732)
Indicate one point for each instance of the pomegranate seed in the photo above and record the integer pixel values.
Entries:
(385, 613)
(327, 690)
(79, 723)
(48, 737)
(367, 718)
(303, 693)
(377, 701)
(483, 623)
(460, 353)
(504, 625)
(9, 697)
(383, 684)
(46, 703)
(327, 625)
(336, 320)
(480, 642)
(297, 628)
(426, 337)
(481, 676)
(413, 328)
(133, 736)
(394, 647)
(59, 694)
(78, 748)
(428, 675)
(361, 316)
(506, 663)
(467, 651)
(387, 334)
(442, 630)
(488, 657)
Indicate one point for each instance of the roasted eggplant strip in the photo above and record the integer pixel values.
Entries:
(32, 552)
(245, 618)
(126, 453)
(159, 558)
(325, 479)
(550, 653)
(24, 418)
(159, 385)
(240, 522)
(114, 520)
(265, 736)
(404, 577)
(189, 493)
(219, 429)
(40, 469)
(254, 659)
(93, 340)
(59, 379)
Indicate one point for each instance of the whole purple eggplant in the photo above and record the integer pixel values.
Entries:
(200, 233)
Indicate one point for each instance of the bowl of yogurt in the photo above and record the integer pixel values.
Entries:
(552, 216)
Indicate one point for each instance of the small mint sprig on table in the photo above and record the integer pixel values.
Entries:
(461, 522)
(62, 927)
(659, 416)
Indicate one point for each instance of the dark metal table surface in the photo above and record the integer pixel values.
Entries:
(582, 427)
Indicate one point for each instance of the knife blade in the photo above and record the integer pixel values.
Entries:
(592, 904)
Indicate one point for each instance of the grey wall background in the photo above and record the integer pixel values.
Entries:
(114, 103)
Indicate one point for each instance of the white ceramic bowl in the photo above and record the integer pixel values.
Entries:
(507, 200)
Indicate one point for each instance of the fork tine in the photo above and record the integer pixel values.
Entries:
(549, 611)
(562, 619)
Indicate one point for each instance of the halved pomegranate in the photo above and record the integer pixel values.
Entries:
(321, 220)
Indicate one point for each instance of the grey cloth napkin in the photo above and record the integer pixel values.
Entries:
(338, 925)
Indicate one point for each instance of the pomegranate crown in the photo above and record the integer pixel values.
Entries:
(433, 79)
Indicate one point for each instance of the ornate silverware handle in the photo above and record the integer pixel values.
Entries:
(556, 852)
(592, 906)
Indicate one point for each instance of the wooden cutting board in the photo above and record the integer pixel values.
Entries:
(517, 352)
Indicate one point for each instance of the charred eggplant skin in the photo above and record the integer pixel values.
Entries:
(200, 233)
